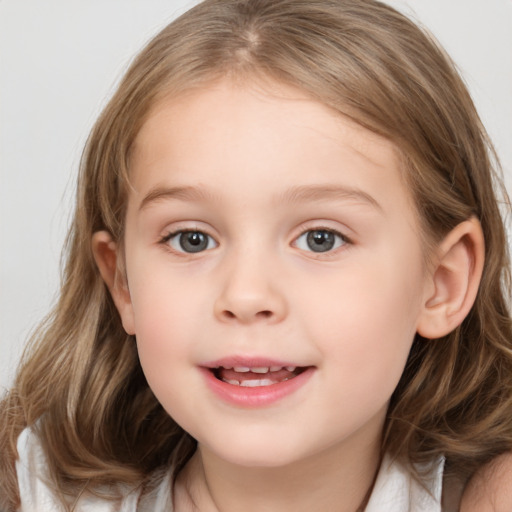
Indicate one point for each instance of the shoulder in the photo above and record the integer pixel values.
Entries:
(32, 473)
(490, 490)
(401, 488)
(37, 492)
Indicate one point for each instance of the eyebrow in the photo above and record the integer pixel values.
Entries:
(296, 194)
(332, 192)
(185, 193)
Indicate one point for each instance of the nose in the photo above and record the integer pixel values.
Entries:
(251, 292)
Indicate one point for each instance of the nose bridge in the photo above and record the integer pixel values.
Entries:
(251, 289)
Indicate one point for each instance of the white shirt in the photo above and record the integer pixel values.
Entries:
(395, 490)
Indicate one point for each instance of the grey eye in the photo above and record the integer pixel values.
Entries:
(191, 241)
(320, 240)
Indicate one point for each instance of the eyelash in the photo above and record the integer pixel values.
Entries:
(340, 240)
(177, 234)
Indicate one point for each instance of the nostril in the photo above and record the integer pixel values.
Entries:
(260, 314)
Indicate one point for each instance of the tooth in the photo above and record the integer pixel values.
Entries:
(249, 383)
(291, 368)
(260, 369)
(241, 369)
(256, 383)
(275, 368)
(232, 381)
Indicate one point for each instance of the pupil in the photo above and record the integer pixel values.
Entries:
(193, 241)
(320, 241)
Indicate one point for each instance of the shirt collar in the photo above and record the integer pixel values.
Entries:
(396, 490)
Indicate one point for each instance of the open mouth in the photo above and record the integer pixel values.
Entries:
(260, 376)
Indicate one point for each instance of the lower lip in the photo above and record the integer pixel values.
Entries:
(258, 396)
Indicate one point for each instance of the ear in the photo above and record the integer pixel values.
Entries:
(455, 280)
(106, 254)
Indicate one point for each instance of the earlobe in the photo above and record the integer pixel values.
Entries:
(106, 255)
(455, 278)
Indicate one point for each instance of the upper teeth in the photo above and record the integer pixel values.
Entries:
(258, 383)
(259, 369)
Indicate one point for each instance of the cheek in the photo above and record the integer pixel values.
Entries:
(165, 317)
(164, 302)
(364, 322)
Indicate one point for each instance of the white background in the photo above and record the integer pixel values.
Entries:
(59, 62)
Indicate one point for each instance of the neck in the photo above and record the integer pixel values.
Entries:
(336, 480)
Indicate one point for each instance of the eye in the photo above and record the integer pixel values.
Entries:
(190, 241)
(320, 240)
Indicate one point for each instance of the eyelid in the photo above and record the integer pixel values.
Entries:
(165, 240)
(309, 227)
(185, 226)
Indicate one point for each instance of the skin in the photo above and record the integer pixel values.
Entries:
(490, 490)
(257, 169)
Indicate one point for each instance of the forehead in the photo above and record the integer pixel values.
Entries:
(229, 135)
(257, 102)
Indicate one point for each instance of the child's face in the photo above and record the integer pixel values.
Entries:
(302, 250)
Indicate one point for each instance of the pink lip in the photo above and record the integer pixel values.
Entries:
(251, 397)
(251, 362)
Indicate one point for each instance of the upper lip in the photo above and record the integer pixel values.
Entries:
(249, 362)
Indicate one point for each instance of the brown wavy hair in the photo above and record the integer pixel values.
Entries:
(80, 384)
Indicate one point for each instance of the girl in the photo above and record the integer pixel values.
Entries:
(286, 279)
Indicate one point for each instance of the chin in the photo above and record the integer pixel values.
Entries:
(256, 454)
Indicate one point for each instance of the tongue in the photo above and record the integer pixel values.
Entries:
(279, 376)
